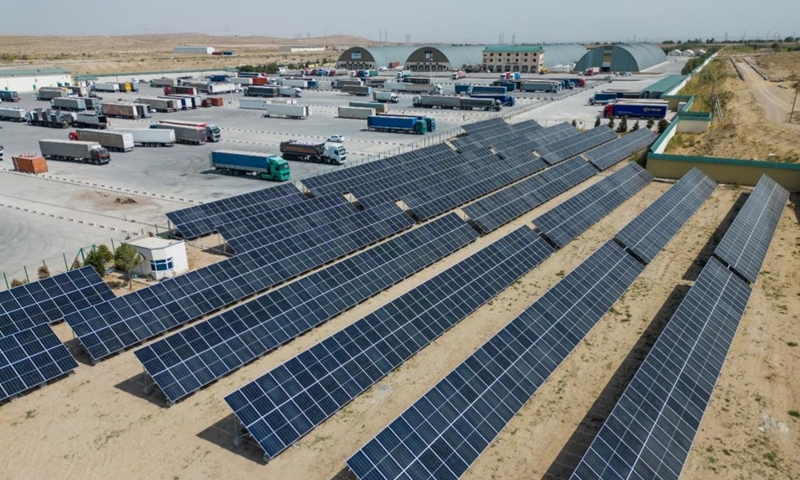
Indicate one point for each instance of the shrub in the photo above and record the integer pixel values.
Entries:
(43, 272)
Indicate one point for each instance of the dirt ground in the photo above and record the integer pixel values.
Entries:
(755, 115)
(96, 423)
(93, 54)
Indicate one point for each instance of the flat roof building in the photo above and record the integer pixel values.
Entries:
(513, 58)
(162, 258)
(29, 80)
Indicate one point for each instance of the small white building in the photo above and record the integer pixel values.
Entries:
(675, 53)
(688, 53)
(163, 258)
(194, 49)
(700, 53)
(29, 80)
(301, 48)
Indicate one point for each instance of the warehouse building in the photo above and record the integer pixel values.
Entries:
(513, 58)
(301, 48)
(559, 54)
(630, 57)
(33, 79)
(369, 58)
(444, 58)
(194, 49)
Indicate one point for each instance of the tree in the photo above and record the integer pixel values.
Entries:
(43, 272)
(776, 46)
(597, 122)
(650, 123)
(126, 259)
(668, 42)
(788, 39)
(611, 123)
(574, 123)
(623, 125)
(105, 253)
(635, 126)
(662, 126)
(95, 260)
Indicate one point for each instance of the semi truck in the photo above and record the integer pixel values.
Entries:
(125, 110)
(505, 100)
(459, 74)
(403, 74)
(164, 105)
(13, 114)
(262, 165)
(462, 88)
(379, 107)
(462, 103)
(112, 140)
(69, 104)
(105, 87)
(51, 118)
(592, 71)
(91, 120)
(330, 153)
(276, 109)
(360, 91)
(389, 97)
(86, 152)
(398, 124)
(184, 102)
(602, 98)
(635, 110)
(181, 90)
(213, 133)
(541, 86)
(162, 82)
(184, 133)
(487, 90)
(151, 137)
(216, 88)
(355, 112)
(413, 87)
(49, 93)
(294, 82)
(9, 96)
(272, 91)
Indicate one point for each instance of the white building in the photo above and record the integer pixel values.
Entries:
(688, 53)
(29, 80)
(301, 48)
(675, 53)
(163, 258)
(194, 49)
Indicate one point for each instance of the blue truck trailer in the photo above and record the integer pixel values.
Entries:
(509, 85)
(635, 110)
(399, 124)
(505, 100)
(262, 165)
(462, 88)
(601, 98)
(487, 90)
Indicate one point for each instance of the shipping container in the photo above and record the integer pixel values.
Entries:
(29, 164)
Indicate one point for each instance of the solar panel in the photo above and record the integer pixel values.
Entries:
(523, 128)
(48, 300)
(201, 219)
(446, 430)
(31, 357)
(651, 428)
(649, 232)
(746, 242)
(568, 220)
(109, 327)
(197, 356)
(550, 134)
(501, 207)
(561, 150)
(615, 151)
(288, 402)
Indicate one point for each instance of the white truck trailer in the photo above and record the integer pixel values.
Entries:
(113, 140)
(356, 112)
(150, 137)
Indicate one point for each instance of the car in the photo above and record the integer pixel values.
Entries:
(336, 138)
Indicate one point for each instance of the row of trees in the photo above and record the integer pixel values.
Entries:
(623, 125)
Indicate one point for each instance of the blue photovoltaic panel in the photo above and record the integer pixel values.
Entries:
(446, 430)
(112, 326)
(197, 356)
(574, 216)
(560, 150)
(501, 207)
(615, 151)
(288, 402)
(746, 242)
(49, 300)
(201, 219)
(651, 429)
(31, 357)
(657, 224)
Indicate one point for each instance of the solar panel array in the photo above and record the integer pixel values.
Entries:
(446, 430)
(31, 357)
(551, 134)
(563, 149)
(285, 404)
(746, 242)
(650, 232)
(568, 220)
(526, 127)
(651, 429)
(501, 207)
(109, 327)
(197, 356)
(48, 300)
(615, 151)
(201, 219)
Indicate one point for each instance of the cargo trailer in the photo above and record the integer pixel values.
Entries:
(242, 80)
(162, 82)
(49, 93)
(262, 165)
(540, 86)
(330, 153)
(635, 110)
(261, 91)
(418, 80)
(150, 137)
(50, 118)
(106, 87)
(181, 90)
(462, 88)
(294, 83)
(86, 152)
(360, 91)
(297, 112)
(397, 124)
(219, 78)
(377, 106)
(183, 133)
(91, 103)
(505, 100)
(112, 140)
(78, 90)
(216, 88)
(164, 105)
(124, 110)
(462, 103)
(9, 96)
(487, 90)
(389, 97)
(355, 112)
(213, 133)
(13, 114)
(602, 98)
(91, 120)
(69, 104)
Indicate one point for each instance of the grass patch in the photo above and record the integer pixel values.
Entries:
(794, 413)
(791, 344)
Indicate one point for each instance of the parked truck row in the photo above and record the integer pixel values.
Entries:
(470, 103)
(112, 140)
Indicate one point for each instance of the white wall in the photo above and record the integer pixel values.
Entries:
(26, 84)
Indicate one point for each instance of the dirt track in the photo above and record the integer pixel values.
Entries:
(776, 101)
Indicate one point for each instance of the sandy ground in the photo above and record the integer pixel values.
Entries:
(755, 116)
(97, 424)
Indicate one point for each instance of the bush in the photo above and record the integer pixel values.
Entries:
(76, 264)
(635, 126)
(575, 123)
(597, 122)
(611, 123)
(95, 260)
(18, 283)
(43, 272)
(105, 253)
(662, 126)
(623, 125)
(650, 124)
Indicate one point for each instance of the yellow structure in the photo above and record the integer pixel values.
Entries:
(725, 170)
(513, 58)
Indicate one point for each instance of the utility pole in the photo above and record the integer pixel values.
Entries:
(796, 89)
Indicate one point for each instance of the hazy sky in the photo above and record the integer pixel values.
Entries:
(531, 21)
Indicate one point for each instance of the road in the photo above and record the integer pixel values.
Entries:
(776, 102)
